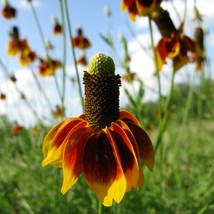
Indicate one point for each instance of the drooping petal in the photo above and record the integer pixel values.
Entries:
(125, 4)
(129, 160)
(102, 168)
(128, 117)
(129, 134)
(72, 155)
(144, 144)
(52, 145)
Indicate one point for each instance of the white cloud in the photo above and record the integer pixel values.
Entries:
(23, 4)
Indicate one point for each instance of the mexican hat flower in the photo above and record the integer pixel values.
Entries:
(57, 28)
(8, 12)
(48, 67)
(80, 41)
(199, 56)
(139, 7)
(173, 44)
(105, 144)
(16, 45)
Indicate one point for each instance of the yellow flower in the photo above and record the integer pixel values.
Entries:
(105, 144)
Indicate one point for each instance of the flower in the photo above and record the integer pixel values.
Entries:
(199, 55)
(173, 44)
(105, 144)
(48, 67)
(139, 7)
(17, 128)
(28, 56)
(2, 96)
(57, 28)
(81, 41)
(57, 112)
(8, 12)
(82, 60)
(16, 45)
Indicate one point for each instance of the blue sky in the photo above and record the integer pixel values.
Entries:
(91, 17)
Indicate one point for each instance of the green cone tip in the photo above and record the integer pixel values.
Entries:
(101, 64)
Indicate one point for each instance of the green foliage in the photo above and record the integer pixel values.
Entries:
(180, 183)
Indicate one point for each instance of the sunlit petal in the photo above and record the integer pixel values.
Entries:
(52, 146)
(127, 154)
(129, 134)
(72, 157)
(128, 117)
(102, 168)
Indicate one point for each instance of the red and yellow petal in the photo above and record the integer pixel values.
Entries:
(72, 155)
(125, 4)
(52, 145)
(129, 160)
(129, 134)
(102, 168)
(144, 144)
(128, 117)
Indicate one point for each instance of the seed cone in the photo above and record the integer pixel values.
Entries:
(101, 92)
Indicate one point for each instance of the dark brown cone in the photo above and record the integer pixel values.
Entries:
(101, 99)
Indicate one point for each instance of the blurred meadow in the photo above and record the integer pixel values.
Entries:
(165, 59)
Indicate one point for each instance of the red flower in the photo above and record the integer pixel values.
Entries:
(8, 12)
(104, 144)
(48, 67)
(81, 41)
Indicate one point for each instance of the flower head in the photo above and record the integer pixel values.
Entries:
(57, 28)
(8, 12)
(80, 41)
(47, 67)
(173, 44)
(105, 144)
(139, 7)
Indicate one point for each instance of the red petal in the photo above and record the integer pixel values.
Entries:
(128, 157)
(72, 155)
(102, 168)
(144, 144)
(52, 146)
(128, 117)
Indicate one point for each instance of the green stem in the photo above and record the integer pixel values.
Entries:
(156, 71)
(187, 108)
(21, 93)
(100, 208)
(45, 46)
(40, 88)
(64, 59)
(73, 53)
(163, 124)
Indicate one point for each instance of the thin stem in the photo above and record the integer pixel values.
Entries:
(156, 70)
(45, 46)
(40, 88)
(100, 208)
(185, 11)
(64, 59)
(163, 124)
(73, 53)
(21, 93)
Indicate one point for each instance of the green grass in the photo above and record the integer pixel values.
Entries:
(182, 180)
